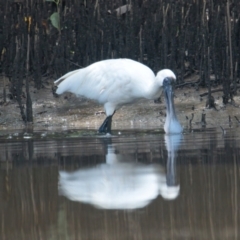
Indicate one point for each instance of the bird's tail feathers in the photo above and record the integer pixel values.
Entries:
(66, 82)
(58, 81)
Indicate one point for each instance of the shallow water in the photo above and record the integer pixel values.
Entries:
(134, 185)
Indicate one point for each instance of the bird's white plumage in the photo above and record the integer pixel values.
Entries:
(162, 74)
(114, 82)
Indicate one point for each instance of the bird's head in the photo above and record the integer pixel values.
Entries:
(164, 76)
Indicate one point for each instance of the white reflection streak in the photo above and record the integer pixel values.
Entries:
(171, 188)
(120, 185)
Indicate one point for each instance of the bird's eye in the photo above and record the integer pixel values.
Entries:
(168, 81)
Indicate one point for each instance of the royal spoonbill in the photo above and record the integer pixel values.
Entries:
(116, 82)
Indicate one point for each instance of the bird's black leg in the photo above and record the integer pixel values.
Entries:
(106, 125)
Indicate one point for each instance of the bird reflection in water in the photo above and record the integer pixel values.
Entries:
(118, 184)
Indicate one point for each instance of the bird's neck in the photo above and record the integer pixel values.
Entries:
(153, 91)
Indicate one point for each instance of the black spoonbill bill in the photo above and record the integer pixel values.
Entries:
(116, 82)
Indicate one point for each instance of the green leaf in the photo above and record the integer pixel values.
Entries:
(55, 20)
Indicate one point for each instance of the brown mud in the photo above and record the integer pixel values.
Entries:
(70, 112)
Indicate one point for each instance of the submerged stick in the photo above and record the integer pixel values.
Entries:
(237, 119)
(223, 130)
(190, 121)
(203, 120)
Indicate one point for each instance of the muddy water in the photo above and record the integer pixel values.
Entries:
(134, 185)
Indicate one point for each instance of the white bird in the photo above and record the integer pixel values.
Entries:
(116, 82)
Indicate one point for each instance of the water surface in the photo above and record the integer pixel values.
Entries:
(134, 185)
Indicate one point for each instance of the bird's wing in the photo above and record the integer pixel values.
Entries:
(110, 80)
